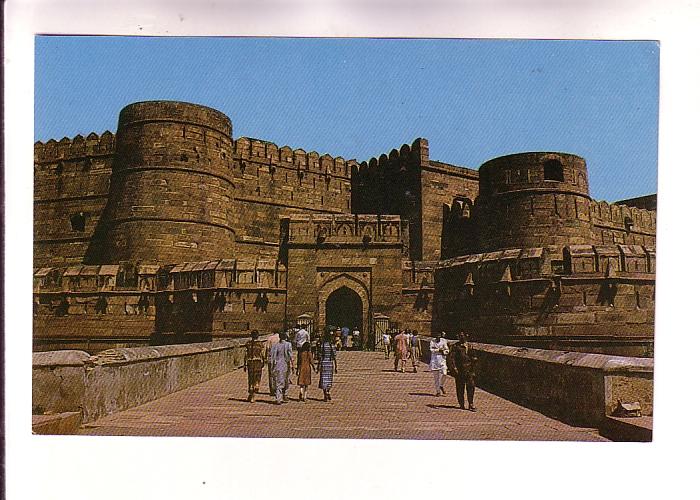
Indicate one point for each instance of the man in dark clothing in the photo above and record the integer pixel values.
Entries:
(461, 365)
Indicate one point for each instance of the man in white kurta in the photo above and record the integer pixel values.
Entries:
(438, 361)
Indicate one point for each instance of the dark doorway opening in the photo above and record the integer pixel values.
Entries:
(344, 308)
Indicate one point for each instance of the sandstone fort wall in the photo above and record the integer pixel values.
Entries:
(71, 183)
(94, 307)
(181, 185)
(582, 298)
(172, 230)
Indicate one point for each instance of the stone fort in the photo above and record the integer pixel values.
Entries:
(172, 231)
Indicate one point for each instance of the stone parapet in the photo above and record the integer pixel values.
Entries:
(575, 387)
(117, 379)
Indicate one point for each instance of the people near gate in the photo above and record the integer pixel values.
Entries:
(438, 362)
(291, 337)
(345, 335)
(326, 364)
(304, 366)
(356, 342)
(415, 350)
(461, 364)
(301, 337)
(386, 342)
(338, 339)
(281, 365)
(253, 364)
(271, 340)
(401, 351)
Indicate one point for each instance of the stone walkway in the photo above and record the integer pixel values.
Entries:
(370, 400)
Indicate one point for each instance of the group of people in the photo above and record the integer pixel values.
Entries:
(346, 340)
(278, 353)
(457, 360)
(406, 346)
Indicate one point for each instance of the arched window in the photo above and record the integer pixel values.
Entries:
(553, 171)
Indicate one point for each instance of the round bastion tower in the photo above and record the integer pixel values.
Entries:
(533, 200)
(170, 196)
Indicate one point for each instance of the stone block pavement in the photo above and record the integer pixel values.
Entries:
(370, 400)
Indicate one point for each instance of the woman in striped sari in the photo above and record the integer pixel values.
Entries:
(327, 365)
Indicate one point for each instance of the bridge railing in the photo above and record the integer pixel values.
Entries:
(118, 379)
(577, 388)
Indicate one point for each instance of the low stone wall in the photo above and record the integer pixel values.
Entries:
(574, 387)
(117, 379)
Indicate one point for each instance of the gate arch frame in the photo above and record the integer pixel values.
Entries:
(337, 282)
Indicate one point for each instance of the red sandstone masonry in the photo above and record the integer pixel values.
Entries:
(183, 192)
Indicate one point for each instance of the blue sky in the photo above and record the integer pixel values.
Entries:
(357, 98)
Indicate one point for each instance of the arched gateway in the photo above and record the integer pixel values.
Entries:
(344, 301)
(344, 308)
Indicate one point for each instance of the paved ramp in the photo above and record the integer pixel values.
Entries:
(370, 400)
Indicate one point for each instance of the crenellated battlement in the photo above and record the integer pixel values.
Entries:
(623, 217)
(270, 154)
(76, 148)
(614, 223)
(398, 162)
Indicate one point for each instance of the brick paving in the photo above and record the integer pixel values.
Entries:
(370, 400)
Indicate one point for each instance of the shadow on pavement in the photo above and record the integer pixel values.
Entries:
(449, 407)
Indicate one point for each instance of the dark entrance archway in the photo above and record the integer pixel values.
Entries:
(344, 308)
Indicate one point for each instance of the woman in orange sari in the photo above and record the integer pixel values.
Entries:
(306, 364)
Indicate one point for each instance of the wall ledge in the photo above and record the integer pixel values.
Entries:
(59, 358)
(126, 355)
(607, 363)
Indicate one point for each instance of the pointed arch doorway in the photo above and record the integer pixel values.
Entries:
(344, 300)
(344, 308)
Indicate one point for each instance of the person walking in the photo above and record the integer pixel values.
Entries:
(461, 364)
(415, 350)
(302, 336)
(401, 352)
(281, 365)
(345, 335)
(356, 341)
(253, 364)
(386, 342)
(326, 365)
(438, 363)
(291, 337)
(271, 340)
(304, 366)
(338, 340)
